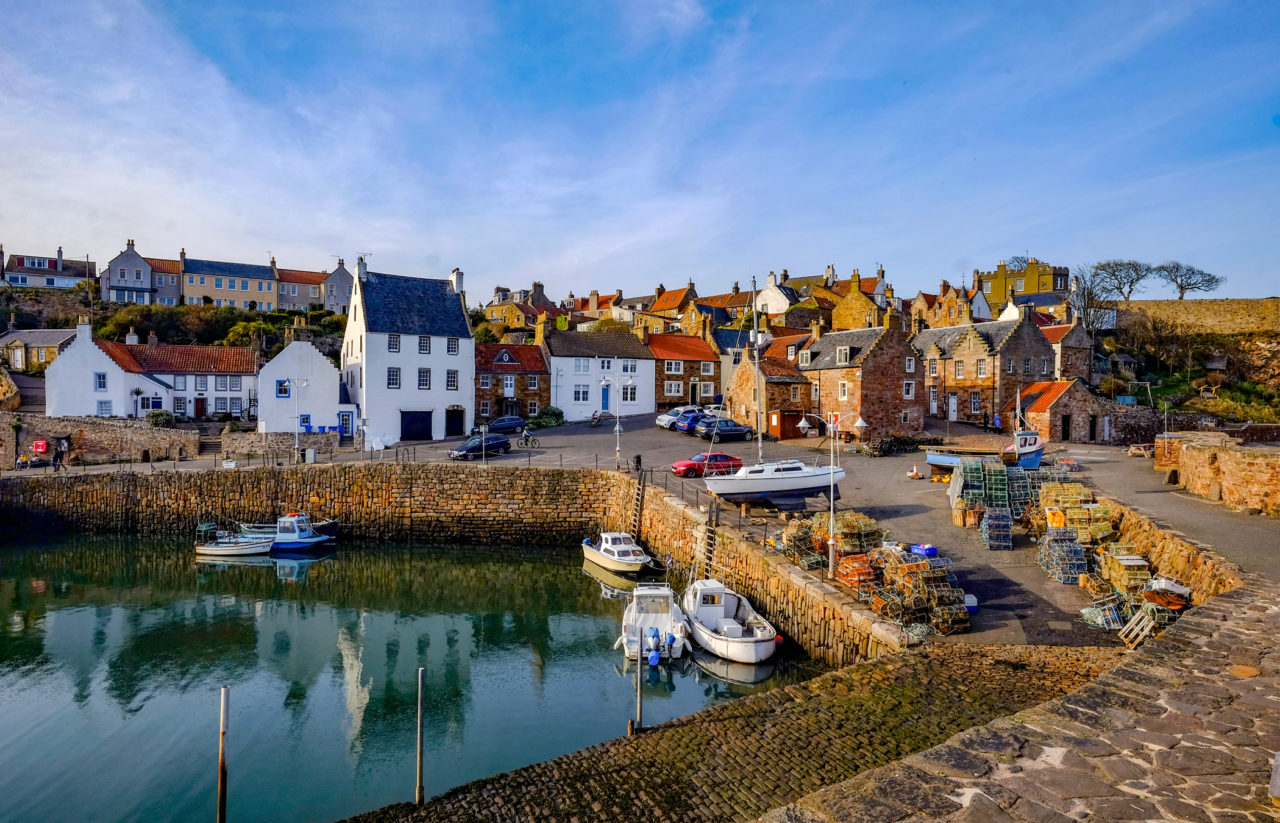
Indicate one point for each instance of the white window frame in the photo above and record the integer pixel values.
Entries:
(219, 405)
(673, 388)
(531, 381)
(451, 345)
(179, 382)
(202, 382)
(1009, 365)
(813, 391)
(533, 408)
(606, 364)
(933, 367)
(708, 368)
(485, 381)
(672, 367)
(707, 390)
(958, 369)
(424, 344)
(104, 408)
(424, 379)
(393, 378)
(844, 390)
(393, 342)
(795, 393)
(842, 355)
(508, 382)
(582, 392)
(1044, 365)
(911, 365)
(220, 382)
(629, 394)
(237, 405)
(451, 380)
(179, 405)
(980, 367)
(805, 357)
(1018, 284)
(908, 390)
(975, 402)
(791, 351)
(581, 365)
(630, 366)
(100, 381)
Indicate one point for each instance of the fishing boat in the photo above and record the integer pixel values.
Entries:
(723, 623)
(781, 483)
(653, 622)
(1026, 450)
(214, 542)
(294, 531)
(323, 526)
(616, 551)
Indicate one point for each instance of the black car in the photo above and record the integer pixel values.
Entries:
(505, 425)
(722, 429)
(473, 447)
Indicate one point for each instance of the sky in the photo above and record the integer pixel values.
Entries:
(624, 143)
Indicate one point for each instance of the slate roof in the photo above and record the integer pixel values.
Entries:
(778, 370)
(727, 339)
(162, 265)
(596, 344)
(70, 266)
(510, 359)
(669, 300)
(1040, 396)
(167, 359)
(395, 304)
(791, 294)
(218, 268)
(680, 347)
(37, 337)
(311, 278)
(822, 352)
(1039, 300)
(993, 333)
(718, 315)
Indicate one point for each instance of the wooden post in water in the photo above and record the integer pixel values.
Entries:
(639, 676)
(417, 794)
(222, 754)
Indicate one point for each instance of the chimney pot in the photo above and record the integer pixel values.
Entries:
(151, 339)
(131, 339)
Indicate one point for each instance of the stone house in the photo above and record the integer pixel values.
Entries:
(951, 306)
(593, 306)
(971, 370)
(97, 378)
(409, 358)
(1037, 278)
(672, 304)
(238, 285)
(786, 395)
(511, 380)
(519, 309)
(808, 311)
(873, 374)
(38, 272)
(307, 290)
(654, 323)
(699, 317)
(1052, 305)
(686, 370)
(735, 303)
(730, 346)
(598, 372)
(21, 349)
(776, 296)
(1072, 350)
(864, 303)
(132, 278)
(303, 391)
(1065, 411)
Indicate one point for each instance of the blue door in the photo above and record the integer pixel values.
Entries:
(604, 398)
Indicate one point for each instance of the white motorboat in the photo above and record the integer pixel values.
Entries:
(723, 623)
(774, 480)
(214, 542)
(653, 621)
(294, 531)
(616, 551)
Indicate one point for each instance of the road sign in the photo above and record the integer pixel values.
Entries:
(834, 419)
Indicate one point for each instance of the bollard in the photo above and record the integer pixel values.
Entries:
(417, 794)
(222, 754)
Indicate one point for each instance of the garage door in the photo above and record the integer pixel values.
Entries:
(415, 425)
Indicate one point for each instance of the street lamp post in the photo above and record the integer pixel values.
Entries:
(617, 425)
(833, 432)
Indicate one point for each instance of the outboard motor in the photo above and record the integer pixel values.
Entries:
(652, 640)
(671, 644)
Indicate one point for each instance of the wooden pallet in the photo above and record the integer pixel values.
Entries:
(1139, 627)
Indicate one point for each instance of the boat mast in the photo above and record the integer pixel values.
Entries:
(755, 350)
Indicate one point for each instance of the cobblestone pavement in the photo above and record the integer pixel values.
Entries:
(1185, 730)
(735, 761)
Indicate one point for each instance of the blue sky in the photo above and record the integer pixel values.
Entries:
(622, 144)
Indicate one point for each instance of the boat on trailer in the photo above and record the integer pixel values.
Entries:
(617, 552)
(653, 623)
(778, 482)
(725, 624)
(1026, 451)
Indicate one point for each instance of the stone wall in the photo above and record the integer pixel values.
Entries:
(1243, 477)
(1220, 316)
(96, 438)
(277, 442)
(10, 398)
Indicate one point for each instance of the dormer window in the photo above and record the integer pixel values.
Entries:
(842, 355)
(804, 358)
(791, 352)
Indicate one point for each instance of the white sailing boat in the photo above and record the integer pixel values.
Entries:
(779, 481)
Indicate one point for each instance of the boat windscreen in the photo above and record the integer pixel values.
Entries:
(652, 605)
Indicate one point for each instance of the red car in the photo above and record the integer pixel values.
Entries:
(712, 463)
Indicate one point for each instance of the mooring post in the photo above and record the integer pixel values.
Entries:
(417, 793)
(639, 677)
(222, 754)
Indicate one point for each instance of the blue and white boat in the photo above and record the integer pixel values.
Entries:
(1026, 451)
(294, 531)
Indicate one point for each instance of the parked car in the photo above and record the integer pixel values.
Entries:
(722, 429)
(718, 410)
(701, 465)
(504, 425)
(667, 420)
(689, 420)
(472, 447)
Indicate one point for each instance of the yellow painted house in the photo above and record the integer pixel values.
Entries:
(1037, 278)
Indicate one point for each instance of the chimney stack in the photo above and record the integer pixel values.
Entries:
(362, 268)
(84, 331)
(880, 273)
(893, 319)
(642, 332)
(60, 259)
(735, 286)
(617, 297)
(815, 330)
(829, 276)
(455, 280)
(151, 339)
(128, 244)
(658, 292)
(537, 297)
(784, 277)
(593, 301)
(772, 279)
(917, 324)
(13, 320)
(540, 330)
(131, 339)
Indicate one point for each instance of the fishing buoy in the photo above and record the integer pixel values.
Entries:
(777, 638)
(654, 658)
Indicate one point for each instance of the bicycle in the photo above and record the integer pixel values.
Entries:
(527, 440)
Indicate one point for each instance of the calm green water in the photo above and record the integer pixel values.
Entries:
(112, 653)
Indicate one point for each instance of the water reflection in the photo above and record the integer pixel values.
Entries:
(112, 646)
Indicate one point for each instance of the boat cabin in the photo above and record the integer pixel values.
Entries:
(293, 525)
(717, 608)
(781, 467)
(621, 546)
(1025, 441)
(652, 601)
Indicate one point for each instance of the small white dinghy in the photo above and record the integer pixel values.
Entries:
(653, 618)
(616, 551)
(724, 623)
(214, 542)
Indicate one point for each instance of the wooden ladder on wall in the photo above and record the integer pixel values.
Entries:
(637, 514)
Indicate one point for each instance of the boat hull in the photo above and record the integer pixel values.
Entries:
(736, 649)
(301, 542)
(234, 547)
(613, 564)
(749, 490)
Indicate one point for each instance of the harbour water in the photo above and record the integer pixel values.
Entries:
(112, 653)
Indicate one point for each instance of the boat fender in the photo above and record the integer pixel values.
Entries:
(654, 658)
(777, 639)
(671, 639)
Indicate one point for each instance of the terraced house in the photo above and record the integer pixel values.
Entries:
(686, 369)
(238, 285)
(45, 272)
(132, 278)
(22, 349)
(971, 370)
(307, 290)
(597, 372)
(511, 379)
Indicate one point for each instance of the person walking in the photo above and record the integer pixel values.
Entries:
(984, 420)
(57, 459)
(997, 422)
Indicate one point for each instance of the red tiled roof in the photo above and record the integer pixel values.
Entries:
(867, 285)
(499, 357)
(604, 301)
(727, 300)
(160, 265)
(840, 287)
(1040, 397)
(669, 300)
(1041, 319)
(777, 370)
(1054, 334)
(311, 278)
(166, 359)
(680, 347)
(929, 299)
(778, 347)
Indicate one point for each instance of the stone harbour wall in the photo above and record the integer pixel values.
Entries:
(277, 442)
(1243, 477)
(96, 438)
(1219, 316)
(10, 397)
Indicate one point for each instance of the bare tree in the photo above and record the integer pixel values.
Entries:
(1186, 278)
(1018, 262)
(1123, 277)
(1092, 302)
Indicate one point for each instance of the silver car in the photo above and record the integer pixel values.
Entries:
(667, 420)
